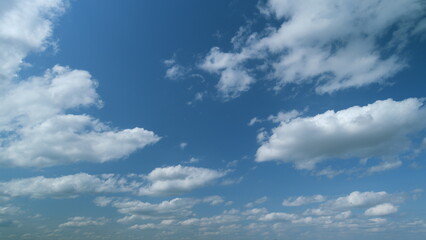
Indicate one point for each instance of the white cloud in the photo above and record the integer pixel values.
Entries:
(224, 218)
(35, 127)
(66, 187)
(381, 210)
(10, 210)
(144, 226)
(25, 26)
(38, 133)
(178, 179)
(278, 216)
(214, 200)
(233, 82)
(257, 202)
(385, 166)
(254, 121)
(360, 199)
(284, 116)
(162, 181)
(134, 209)
(84, 222)
(302, 200)
(380, 129)
(336, 44)
(174, 70)
(183, 145)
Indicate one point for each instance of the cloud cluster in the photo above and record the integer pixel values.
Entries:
(37, 131)
(173, 180)
(335, 44)
(379, 130)
(36, 128)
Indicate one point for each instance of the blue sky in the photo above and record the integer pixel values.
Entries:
(269, 119)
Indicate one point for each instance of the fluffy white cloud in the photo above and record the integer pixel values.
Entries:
(36, 129)
(360, 199)
(233, 82)
(67, 186)
(84, 222)
(25, 26)
(381, 210)
(38, 132)
(178, 179)
(380, 129)
(303, 200)
(337, 44)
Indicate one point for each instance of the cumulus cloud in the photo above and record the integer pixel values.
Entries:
(178, 179)
(381, 210)
(83, 222)
(303, 200)
(380, 130)
(360, 199)
(336, 44)
(38, 132)
(36, 128)
(66, 187)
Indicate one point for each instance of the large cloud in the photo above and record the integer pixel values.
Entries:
(38, 132)
(36, 127)
(337, 44)
(380, 129)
